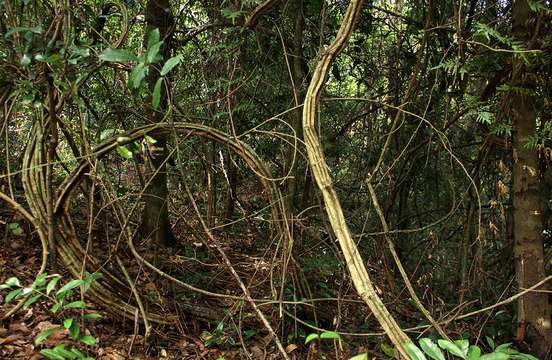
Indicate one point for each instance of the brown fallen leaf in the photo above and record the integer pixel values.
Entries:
(9, 340)
(19, 327)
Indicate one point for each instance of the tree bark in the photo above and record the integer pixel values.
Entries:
(533, 308)
(155, 218)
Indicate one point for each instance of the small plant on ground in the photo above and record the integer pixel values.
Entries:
(44, 287)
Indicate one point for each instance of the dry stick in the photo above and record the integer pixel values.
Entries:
(246, 292)
(147, 325)
(406, 280)
(320, 172)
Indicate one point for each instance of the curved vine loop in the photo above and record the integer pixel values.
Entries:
(108, 291)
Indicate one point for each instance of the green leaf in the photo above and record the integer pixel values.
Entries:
(74, 331)
(13, 281)
(451, 348)
(495, 356)
(503, 347)
(40, 280)
(170, 64)
(137, 75)
(77, 352)
(156, 98)
(330, 335)
(153, 53)
(310, 338)
(124, 152)
(387, 349)
(15, 229)
(67, 323)
(79, 304)
(414, 352)
(474, 352)
(55, 308)
(92, 316)
(32, 300)
(88, 340)
(117, 55)
(231, 14)
(69, 286)
(13, 295)
(51, 354)
(431, 349)
(153, 37)
(44, 335)
(52, 284)
(66, 354)
(463, 345)
(360, 357)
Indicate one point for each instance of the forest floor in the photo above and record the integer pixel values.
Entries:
(20, 257)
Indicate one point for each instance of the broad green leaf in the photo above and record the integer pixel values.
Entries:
(52, 284)
(495, 356)
(170, 64)
(463, 345)
(156, 97)
(431, 349)
(79, 304)
(153, 37)
(40, 280)
(451, 348)
(491, 342)
(69, 286)
(77, 352)
(32, 300)
(13, 295)
(153, 53)
(55, 308)
(74, 331)
(137, 75)
(503, 347)
(13, 281)
(330, 335)
(124, 152)
(88, 340)
(66, 354)
(474, 353)
(44, 335)
(92, 316)
(360, 357)
(310, 338)
(67, 323)
(117, 55)
(414, 352)
(51, 354)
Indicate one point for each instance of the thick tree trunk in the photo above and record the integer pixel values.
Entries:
(155, 218)
(533, 308)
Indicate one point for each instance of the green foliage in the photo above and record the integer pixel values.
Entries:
(461, 349)
(42, 288)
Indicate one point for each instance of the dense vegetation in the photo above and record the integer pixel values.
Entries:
(373, 172)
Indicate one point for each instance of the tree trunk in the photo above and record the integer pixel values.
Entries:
(155, 218)
(533, 308)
